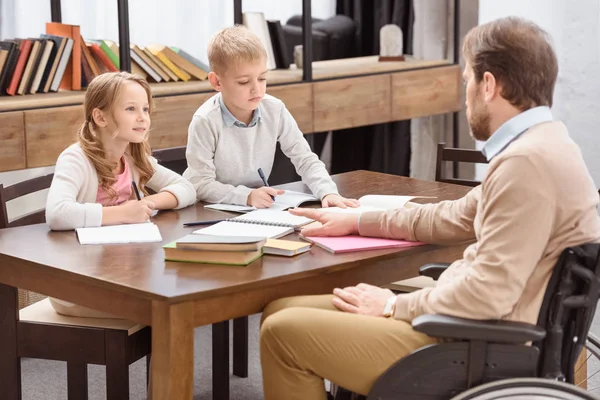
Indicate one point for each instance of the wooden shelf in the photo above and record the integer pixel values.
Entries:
(322, 70)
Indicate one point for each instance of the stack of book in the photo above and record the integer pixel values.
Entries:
(229, 250)
(62, 59)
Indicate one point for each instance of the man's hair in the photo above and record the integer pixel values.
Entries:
(519, 55)
(232, 45)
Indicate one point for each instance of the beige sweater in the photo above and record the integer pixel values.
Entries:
(536, 199)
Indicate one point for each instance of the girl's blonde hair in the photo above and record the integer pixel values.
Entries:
(102, 93)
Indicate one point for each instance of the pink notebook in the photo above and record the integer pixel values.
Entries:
(347, 244)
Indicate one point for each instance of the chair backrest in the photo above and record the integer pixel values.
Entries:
(172, 158)
(456, 155)
(568, 309)
(19, 190)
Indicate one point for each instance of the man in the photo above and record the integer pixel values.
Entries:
(536, 199)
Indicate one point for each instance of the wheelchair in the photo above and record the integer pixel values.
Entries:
(480, 360)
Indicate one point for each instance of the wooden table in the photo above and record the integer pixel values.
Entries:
(134, 282)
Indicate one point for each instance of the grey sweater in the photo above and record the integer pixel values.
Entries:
(223, 158)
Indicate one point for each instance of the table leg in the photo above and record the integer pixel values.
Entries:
(172, 351)
(10, 363)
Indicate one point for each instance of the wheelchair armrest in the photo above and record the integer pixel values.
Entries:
(433, 270)
(496, 331)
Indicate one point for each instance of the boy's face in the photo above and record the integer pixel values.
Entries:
(243, 85)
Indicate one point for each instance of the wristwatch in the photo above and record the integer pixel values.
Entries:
(390, 307)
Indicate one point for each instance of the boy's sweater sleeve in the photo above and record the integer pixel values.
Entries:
(307, 164)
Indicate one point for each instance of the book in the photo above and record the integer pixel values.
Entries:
(280, 50)
(220, 243)
(41, 70)
(255, 21)
(61, 70)
(24, 49)
(160, 64)
(34, 54)
(377, 202)
(241, 258)
(203, 66)
(53, 61)
(258, 223)
(72, 72)
(352, 243)
(180, 61)
(142, 55)
(411, 284)
(11, 59)
(145, 232)
(287, 248)
(149, 71)
(181, 74)
(87, 55)
(289, 199)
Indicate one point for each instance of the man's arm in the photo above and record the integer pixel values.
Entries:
(517, 215)
(446, 222)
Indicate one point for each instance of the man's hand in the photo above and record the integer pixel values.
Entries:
(335, 200)
(261, 197)
(362, 299)
(332, 224)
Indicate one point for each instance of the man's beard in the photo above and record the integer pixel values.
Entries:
(480, 123)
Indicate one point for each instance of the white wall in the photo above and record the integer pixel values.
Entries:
(574, 27)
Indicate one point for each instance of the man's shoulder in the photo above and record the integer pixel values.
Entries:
(541, 142)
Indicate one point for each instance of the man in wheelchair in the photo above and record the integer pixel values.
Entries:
(532, 218)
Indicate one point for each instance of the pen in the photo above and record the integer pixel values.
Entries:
(214, 221)
(262, 176)
(135, 189)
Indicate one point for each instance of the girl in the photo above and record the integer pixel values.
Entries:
(95, 179)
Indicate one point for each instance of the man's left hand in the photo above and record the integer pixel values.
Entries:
(335, 200)
(362, 299)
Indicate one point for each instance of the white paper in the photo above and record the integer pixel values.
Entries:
(291, 199)
(145, 232)
(230, 207)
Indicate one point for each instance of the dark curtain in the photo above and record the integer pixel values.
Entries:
(384, 147)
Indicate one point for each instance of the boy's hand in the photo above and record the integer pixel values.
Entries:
(261, 197)
(335, 200)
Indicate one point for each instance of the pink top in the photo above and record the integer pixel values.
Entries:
(122, 187)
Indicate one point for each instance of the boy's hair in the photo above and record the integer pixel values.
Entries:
(231, 45)
(102, 93)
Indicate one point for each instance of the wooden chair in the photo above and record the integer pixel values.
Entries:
(174, 159)
(456, 155)
(43, 333)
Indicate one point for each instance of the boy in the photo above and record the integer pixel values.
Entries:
(235, 132)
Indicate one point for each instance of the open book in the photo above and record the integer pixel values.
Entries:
(289, 199)
(258, 223)
(377, 202)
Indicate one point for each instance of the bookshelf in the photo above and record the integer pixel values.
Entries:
(328, 95)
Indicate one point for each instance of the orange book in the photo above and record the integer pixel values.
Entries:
(72, 77)
(24, 49)
(101, 55)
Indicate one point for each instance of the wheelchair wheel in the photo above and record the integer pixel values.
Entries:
(592, 364)
(526, 389)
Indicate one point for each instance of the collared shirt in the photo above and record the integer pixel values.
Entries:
(231, 120)
(513, 128)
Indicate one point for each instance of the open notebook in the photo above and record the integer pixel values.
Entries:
(145, 232)
(289, 199)
(378, 202)
(258, 223)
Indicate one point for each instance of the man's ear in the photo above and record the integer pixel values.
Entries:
(491, 89)
(99, 118)
(215, 81)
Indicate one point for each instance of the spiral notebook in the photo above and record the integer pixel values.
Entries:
(260, 223)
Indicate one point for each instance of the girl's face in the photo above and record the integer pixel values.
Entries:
(131, 114)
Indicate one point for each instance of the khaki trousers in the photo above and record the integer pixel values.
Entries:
(305, 339)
